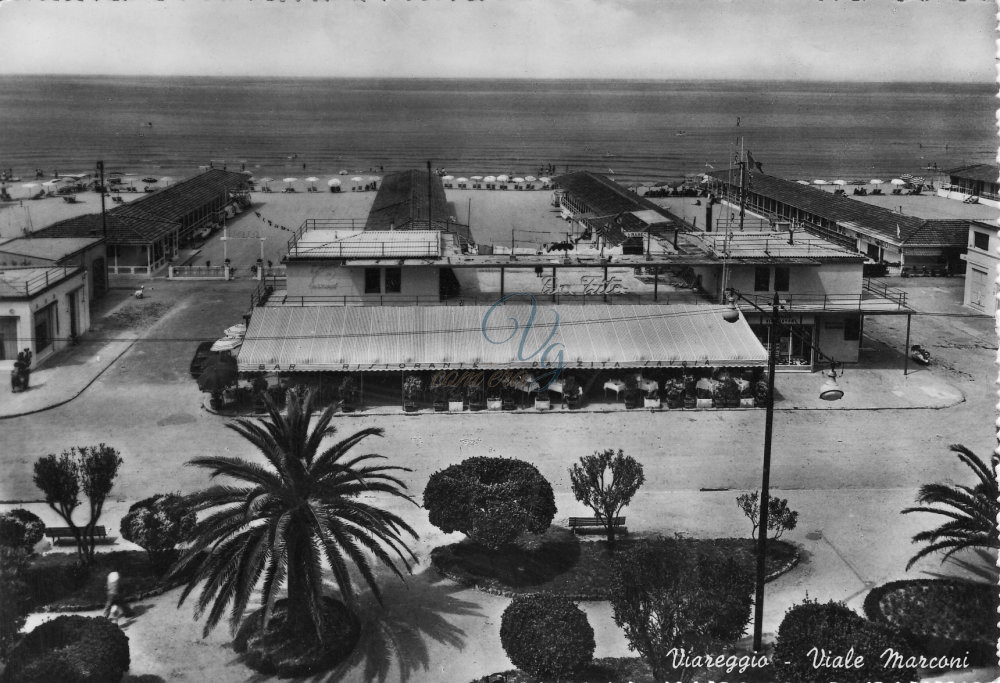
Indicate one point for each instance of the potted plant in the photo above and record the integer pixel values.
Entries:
(455, 402)
(651, 399)
(348, 394)
(439, 392)
(477, 396)
(542, 401)
(675, 393)
(760, 392)
(21, 373)
(412, 387)
(690, 391)
(572, 392)
(508, 399)
(632, 393)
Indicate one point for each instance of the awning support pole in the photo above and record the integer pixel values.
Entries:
(906, 347)
(553, 284)
(656, 282)
(605, 287)
(501, 281)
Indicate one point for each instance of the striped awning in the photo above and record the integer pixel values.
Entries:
(393, 338)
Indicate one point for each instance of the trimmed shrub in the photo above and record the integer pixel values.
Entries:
(490, 500)
(20, 529)
(158, 524)
(812, 627)
(546, 635)
(70, 649)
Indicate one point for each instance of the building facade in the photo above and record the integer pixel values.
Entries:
(89, 252)
(42, 308)
(982, 260)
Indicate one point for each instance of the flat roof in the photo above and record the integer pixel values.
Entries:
(396, 338)
(24, 282)
(987, 173)
(48, 248)
(773, 245)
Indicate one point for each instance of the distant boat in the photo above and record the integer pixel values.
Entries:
(680, 132)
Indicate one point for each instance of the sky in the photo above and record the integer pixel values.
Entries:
(845, 40)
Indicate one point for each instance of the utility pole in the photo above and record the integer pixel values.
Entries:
(430, 208)
(104, 221)
(743, 191)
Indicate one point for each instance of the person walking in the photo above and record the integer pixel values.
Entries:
(115, 603)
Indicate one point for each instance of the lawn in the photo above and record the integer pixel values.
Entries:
(559, 562)
(57, 584)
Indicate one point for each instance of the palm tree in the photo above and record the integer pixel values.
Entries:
(972, 510)
(285, 517)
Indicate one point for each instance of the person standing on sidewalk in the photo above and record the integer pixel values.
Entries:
(115, 603)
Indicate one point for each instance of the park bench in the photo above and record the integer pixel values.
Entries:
(591, 525)
(63, 535)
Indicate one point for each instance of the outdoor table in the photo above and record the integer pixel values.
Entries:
(616, 385)
(557, 385)
(649, 385)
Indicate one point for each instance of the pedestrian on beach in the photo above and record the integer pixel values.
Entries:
(115, 603)
(270, 265)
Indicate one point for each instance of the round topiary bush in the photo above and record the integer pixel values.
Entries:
(70, 649)
(838, 630)
(20, 529)
(490, 500)
(546, 635)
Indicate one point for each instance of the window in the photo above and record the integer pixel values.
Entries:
(981, 240)
(781, 277)
(761, 279)
(852, 329)
(393, 280)
(373, 280)
(872, 252)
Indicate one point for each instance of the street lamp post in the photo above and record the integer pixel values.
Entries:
(830, 391)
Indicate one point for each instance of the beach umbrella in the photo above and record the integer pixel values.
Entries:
(312, 179)
(237, 331)
(266, 180)
(357, 179)
(897, 181)
(907, 177)
(289, 181)
(918, 180)
(545, 179)
(503, 178)
(150, 179)
(530, 178)
(518, 180)
(372, 179)
(342, 172)
(462, 180)
(490, 179)
(876, 181)
(820, 182)
(802, 182)
(448, 177)
(333, 182)
(840, 182)
(226, 344)
(476, 178)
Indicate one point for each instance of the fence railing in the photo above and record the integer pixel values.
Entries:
(887, 300)
(268, 295)
(198, 273)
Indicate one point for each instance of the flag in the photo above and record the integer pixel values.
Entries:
(897, 231)
(737, 121)
(753, 163)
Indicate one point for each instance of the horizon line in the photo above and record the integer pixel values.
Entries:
(501, 78)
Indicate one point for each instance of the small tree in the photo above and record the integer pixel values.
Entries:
(779, 517)
(15, 605)
(61, 477)
(158, 524)
(605, 482)
(665, 596)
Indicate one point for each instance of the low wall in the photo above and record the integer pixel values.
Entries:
(198, 273)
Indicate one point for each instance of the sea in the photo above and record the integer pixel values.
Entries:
(633, 130)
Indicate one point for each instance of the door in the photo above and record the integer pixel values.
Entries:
(977, 287)
(74, 298)
(99, 275)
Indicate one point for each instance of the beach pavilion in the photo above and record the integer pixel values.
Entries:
(146, 234)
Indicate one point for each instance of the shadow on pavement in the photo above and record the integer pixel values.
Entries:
(396, 634)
